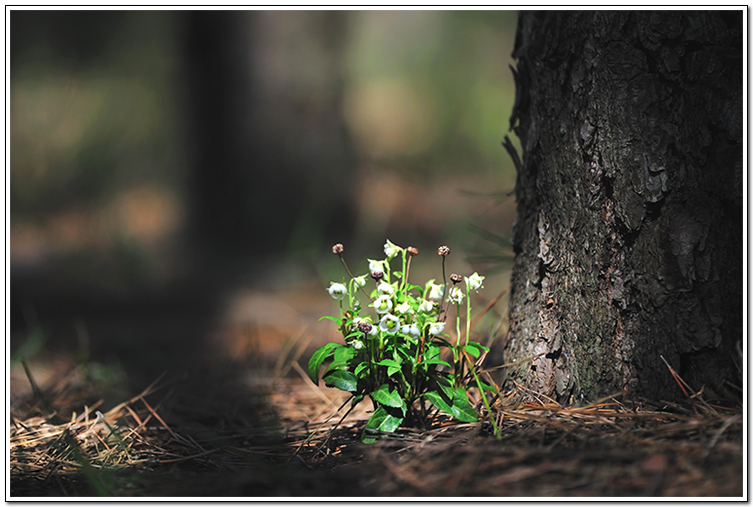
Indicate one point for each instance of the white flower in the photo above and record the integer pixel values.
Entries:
(357, 344)
(373, 331)
(403, 308)
(337, 290)
(456, 295)
(385, 289)
(389, 324)
(425, 306)
(359, 281)
(436, 291)
(436, 328)
(410, 329)
(376, 266)
(391, 250)
(382, 304)
(475, 281)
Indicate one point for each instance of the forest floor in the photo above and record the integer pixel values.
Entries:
(223, 408)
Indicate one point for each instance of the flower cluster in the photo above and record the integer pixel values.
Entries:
(394, 354)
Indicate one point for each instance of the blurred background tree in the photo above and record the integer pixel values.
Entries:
(165, 153)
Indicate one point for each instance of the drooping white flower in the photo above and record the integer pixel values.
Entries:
(382, 304)
(475, 281)
(456, 295)
(403, 308)
(389, 324)
(436, 291)
(357, 344)
(337, 290)
(376, 266)
(391, 250)
(385, 289)
(410, 329)
(359, 281)
(436, 328)
(425, 306)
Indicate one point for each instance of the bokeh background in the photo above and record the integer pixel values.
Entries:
(177, 178)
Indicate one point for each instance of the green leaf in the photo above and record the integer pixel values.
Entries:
(475, 348)
(472, 350)
(392, 366)
(391, 398)
(458, 407)
(342, 380)
(437, 361)
(410, 287)
(488, 387)
(317, 358)
(359, 369)
(336, 320)
(443, 342)
(383, 419)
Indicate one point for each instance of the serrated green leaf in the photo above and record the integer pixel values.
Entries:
(458, 407)
(318, 357)
(384, 419)
(342, 380)
(389, 397)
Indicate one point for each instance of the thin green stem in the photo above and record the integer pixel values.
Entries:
(468, 312)
(405, 278)
(486, 402)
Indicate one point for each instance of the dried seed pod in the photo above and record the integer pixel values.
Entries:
(338, 248)
(444, 251)
(455, 278)
(412, 250)
(377, 275)
(364, 327)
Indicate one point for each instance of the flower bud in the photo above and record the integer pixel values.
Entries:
(444, 251)
(338, 248)
(410, 330)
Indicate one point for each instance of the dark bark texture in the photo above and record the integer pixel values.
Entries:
(628, 236)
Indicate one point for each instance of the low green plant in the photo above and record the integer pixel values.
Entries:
(393, 352)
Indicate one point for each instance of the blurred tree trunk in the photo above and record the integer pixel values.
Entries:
(628, 236)
(267, 149)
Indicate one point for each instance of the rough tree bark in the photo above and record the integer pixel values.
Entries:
(628, 236)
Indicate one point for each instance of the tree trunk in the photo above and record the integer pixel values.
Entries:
(628, 236)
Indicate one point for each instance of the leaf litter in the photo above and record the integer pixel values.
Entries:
(294, 441)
